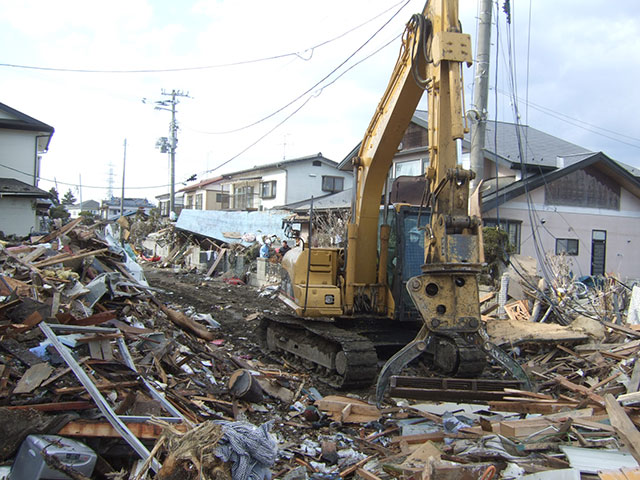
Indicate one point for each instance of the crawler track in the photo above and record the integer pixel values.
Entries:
(341, 358)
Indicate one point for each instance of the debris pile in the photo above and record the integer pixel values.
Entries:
(171, 383)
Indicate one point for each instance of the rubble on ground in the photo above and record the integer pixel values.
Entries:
(164, 378)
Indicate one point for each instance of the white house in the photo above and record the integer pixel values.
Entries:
(164, 203)
(23, 140)
(269, 186)
(90, 206)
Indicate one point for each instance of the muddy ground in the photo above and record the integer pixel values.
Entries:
(229, 304)
(238, 309)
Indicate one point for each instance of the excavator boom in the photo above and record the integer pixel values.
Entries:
(445, 293)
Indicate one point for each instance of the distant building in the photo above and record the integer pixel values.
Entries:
(208, 194)
(90, 206)
(23, 140)
(269, 186)
(110, 209)
(163, 203)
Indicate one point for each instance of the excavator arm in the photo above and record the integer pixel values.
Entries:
(446, 293)
(318, 284)
(371, 167)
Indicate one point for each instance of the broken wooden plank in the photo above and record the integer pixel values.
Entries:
(526, 406)
(629, 398)
(55, 406)
(366, 474)
(634, 383)
(622, 328)
(98, 386)
(221, 253)
(35, 253)
(56, 233)
(93, 428)
(621, 474)
(65, 257)
(581, 389)
(347, 409)
(420, 438)
(623, 425)
(33, 377)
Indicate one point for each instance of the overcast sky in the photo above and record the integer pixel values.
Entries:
(576, 65)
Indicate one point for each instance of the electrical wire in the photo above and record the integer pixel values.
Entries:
(76, 184)
(308, 90)
(252, 144)
(296, 110)
(205, 67)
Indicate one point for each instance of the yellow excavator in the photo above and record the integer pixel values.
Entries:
(378, 296)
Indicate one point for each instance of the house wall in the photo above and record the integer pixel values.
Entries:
(17, 216)
(280, 178)
(75, 212)
(211, 199)
(622, 227)
(305, 180)
(18, 152)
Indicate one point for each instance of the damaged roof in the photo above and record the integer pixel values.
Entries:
(231, 226)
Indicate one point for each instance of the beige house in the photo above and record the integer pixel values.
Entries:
(23, 141)
(551, 196)
(208, 194)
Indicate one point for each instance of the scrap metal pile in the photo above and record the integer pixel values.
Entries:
(89, 351)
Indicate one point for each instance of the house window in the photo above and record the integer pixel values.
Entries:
(567, 246)
(317, 163)
(268, 189)
(243, 198)
(512, 227)
(332, 184)
(411, 168)
(223, 200)
(189, 205)
(199, 201)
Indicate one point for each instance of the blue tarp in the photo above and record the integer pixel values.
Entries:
(216, 223)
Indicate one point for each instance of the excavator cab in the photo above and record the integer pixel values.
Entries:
(406, 255)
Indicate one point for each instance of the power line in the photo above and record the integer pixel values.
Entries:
(204, 67)
(315, 94)
(310, 89)
(245, 149)
(297, 109)
(70, 184)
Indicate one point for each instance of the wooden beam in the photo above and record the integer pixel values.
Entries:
(623, 425)
(221, 253)
(92, 428)
(66, 257)
(621, 328)
(55, 406)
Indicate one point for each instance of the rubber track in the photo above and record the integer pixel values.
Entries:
(360, 352)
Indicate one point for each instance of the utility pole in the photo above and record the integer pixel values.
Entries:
(478, 114)
(124, 162)
(80, 189)
(170, 144)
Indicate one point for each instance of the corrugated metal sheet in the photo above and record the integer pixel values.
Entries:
(226, 226)
(594, 460)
